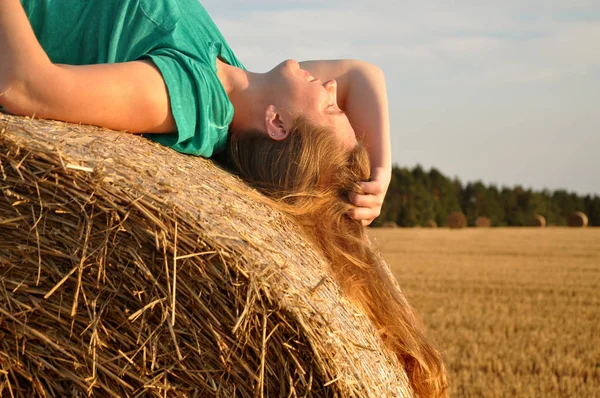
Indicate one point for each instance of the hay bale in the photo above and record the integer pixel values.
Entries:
(128, 269)
(456, 220)
(431, 224)
(577, 219)
(483, 222)
(390, 224)
(537, 221)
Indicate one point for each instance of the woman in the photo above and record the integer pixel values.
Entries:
(145, 67)
(161, 67)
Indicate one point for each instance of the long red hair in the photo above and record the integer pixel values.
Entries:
(309, 177)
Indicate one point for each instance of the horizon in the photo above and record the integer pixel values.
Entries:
(504, 93)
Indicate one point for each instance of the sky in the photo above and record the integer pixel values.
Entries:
(506, 92)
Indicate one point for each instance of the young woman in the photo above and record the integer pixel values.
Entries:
(162, 68)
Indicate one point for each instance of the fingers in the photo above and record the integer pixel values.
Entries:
(372, 187)
(368, 205)
(365, 200)
(364, 213)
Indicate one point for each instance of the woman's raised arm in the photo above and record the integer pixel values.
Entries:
(362, 95)
(128, 96)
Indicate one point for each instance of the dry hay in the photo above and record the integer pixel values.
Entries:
(577, 219)
(127, 269)
(537, 221)
(456, 220)
(390, 224)
(483, 222)
(431, 224)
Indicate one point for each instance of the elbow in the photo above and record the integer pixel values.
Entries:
(368, 70)
(23, 94)
(375, 71)
(15, 100)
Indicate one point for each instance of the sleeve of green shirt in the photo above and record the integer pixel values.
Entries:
(182, 95)
(186, 58)
(194, 102)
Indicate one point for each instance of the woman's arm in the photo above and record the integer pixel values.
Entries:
(128, 96)
(362, 95)
(19, 49)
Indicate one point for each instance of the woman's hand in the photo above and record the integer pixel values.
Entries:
(368, 205)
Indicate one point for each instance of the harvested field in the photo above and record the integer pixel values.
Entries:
(515, 311)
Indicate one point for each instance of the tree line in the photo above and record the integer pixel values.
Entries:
(417, 197)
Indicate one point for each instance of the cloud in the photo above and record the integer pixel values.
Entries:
(529, 45)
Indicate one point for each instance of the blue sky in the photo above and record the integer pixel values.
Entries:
(507, 92)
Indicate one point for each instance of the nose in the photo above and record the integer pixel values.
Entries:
(330, 85)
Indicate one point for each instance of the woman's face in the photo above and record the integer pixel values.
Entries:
(294, 91)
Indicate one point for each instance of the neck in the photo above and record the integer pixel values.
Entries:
(244, 90)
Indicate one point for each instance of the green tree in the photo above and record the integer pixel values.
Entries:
(417, 196)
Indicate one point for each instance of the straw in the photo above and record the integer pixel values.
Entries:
(127, 269)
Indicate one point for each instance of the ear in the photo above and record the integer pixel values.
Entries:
(274, 124)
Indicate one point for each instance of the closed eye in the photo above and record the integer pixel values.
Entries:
(338, 111)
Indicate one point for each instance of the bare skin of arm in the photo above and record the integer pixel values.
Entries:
(362, 95)
(129, 96)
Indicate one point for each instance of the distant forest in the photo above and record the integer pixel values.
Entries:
(417, 197)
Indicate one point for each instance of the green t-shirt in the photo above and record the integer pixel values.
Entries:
(177, 35)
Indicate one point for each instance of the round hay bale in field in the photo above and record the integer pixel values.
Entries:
(456, 220)
(577, 219)
(390, 224)
(431, 224)
(537, 221)
(128, 269)
(483, 222)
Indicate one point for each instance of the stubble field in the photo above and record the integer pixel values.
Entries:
(515, 311)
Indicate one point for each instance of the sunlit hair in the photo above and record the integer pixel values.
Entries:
(309, 177)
